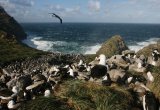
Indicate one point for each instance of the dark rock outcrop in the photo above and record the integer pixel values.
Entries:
(114, 45)
(9, 25)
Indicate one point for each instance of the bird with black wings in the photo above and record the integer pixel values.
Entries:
(55, 15)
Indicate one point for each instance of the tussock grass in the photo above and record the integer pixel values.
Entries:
(148, 49)
(43, 103)
(155, 69)
(114, 45)
(90, 96)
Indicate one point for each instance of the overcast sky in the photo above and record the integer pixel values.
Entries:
(109, 11)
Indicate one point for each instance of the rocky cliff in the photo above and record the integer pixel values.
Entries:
(115, 45)
(9, 25)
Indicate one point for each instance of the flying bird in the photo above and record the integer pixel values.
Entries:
(54, 15)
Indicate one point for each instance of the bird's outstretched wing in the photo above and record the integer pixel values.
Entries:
(55, 15)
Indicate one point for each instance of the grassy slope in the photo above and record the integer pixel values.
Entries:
(79, 95)
(11, 50)
(90, 96)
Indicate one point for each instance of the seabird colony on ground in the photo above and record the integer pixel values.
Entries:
(35, 77)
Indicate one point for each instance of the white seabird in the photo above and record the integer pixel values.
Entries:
(100, 69)
(80, 63)
(15, 89)
(150, 76)
(129, 79)
(71, 73)
(12, 105)
(102, 59)
(149, 101)
(47, 93)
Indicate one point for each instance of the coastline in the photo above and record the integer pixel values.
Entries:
(44, 45)
(35, 79)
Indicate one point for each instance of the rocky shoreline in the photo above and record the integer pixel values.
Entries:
(79, 82)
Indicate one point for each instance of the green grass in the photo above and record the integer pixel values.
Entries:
(148, 49)
(43, 103)
(155, 69)
(155, 86)
(114, 45)
(90, 96)
(90, 57)
(11, 50)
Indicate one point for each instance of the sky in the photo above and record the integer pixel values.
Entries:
(105, 11)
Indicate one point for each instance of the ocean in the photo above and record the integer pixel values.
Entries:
(87, 38)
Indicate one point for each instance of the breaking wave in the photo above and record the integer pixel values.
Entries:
(139, 45)
(75, 47)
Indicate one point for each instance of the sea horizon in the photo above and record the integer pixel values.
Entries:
(147, 23)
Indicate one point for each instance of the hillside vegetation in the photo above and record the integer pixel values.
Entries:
(80, 95)
(11, 34)
(12, 50)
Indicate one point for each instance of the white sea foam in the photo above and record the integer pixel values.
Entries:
(136, 46)
(37, 43)
(44, 45)
(92, 49)
(68, 47)
(29, 41)
(139, 45)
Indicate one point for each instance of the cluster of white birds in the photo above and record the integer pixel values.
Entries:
(101, 70)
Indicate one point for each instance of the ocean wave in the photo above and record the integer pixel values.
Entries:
(139, 45)
(92, 49)
(74, 47)
(30, 41)
(52, 46)
(136, 46)
(43, 45)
